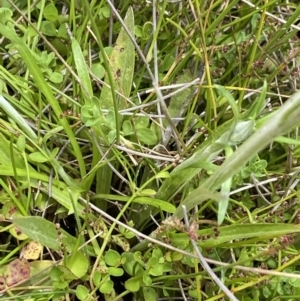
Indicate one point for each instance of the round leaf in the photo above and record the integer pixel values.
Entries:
(149, 294)
(98, 70)
(56, 77)
(133, 284)
(106, 287)
(146, 136)
(112, 258)
(78, 264)
(127, 128)
(81, 292)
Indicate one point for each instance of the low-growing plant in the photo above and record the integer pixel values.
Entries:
(149, 150)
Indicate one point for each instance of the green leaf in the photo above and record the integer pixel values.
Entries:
(21, 143)
(259, 104)
(45, 232)
(97, 278)
(48, 28)
(229, 98)
(162, 175)
(82, 70)
(56, 78)
(15, 232)
(225, 190)
(78, 264)
(106, 287)
(147, 33)
(117, 272)
(5, 14)
(138, 258)
(164, 206)
(38, 157)
(141, 122)
(242, 130)
(146, 136)
(293, 281)
(244, 258)
(193, 293)
(51, 12)
(133, 284)
(287, 140)
(92, 121)
(127, 234)
(128, 263)
(105, 11)
(156, 270)
(112, 258)
(177, 101)
(122, 66)
(147, 192)
(145, 200)
(284, 119)
(5, 153)
(110, 117)
(111, 136)
(167, 64)
(54, 152)
(14, 114)
(59, 273)
(149, 294)
(227, 234)
(147, 279)
(61, 195)
(98, 70)
(81, 292)
(38, 229)
(192, 166)
(108, 51)
(138, 31)
(198, 196)
(127, 128)
(44, 88)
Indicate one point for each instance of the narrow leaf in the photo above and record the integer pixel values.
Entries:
(81, 68)
(122, 66)
(231, 233)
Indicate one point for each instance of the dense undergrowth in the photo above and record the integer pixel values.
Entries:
(149, 151)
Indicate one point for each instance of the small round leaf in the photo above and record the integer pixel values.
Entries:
(106, 287)
(133, 284)
(78, 264)
(81, 292)
(112, 258)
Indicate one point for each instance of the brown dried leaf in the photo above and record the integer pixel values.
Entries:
(32, 250)
(16, 271)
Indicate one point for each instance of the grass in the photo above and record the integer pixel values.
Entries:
(149, 150)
